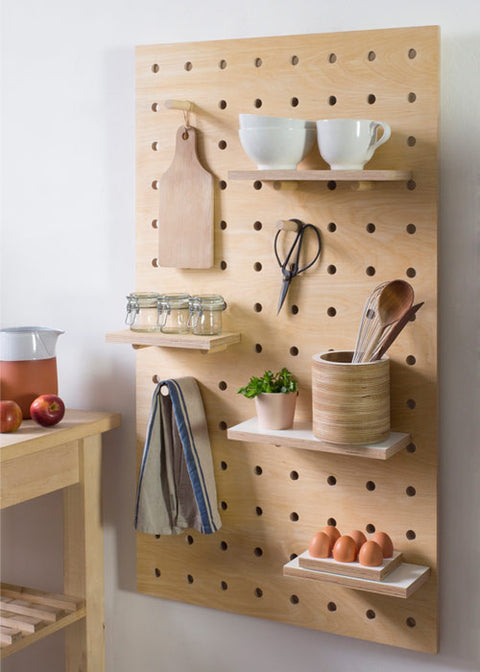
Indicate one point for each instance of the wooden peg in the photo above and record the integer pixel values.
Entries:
(179, 105)
(286, 225)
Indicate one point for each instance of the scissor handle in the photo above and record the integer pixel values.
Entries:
(294, 270)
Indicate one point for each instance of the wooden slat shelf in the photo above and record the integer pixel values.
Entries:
(141, 339)
(322, 175)
(402, 582)
(301, 436)
(27, 615)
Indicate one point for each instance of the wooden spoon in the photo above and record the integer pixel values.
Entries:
(395, 299)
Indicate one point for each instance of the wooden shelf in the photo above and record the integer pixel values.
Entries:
(301, 436)
(28, 615)
(322, 175)
(142, 339)
(401, 582)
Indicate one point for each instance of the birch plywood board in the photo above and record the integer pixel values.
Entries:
(273, 498)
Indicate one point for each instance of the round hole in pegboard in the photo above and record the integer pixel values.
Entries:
(411, 185)
(190, 578)
(370, 485)
(411, 229)
(155, 379)
(411, 448)
(258, 62)
(222, 64)
(412, 97)
(294, 309)
(411, 535)
(371, 98)
(155, 262)
(410, 491)
(257, 266)
(257, 226)
(293, 556)
(294, 102)
(222, 144)
(155, 107)
(331, 269)
(332, 521)
(411, 360)
(370, 528)
(294, 517)
(223, 505)
(331, 606)
(411, 141)
(411, 622)
(222, 385)
(371, 227)
(259, 511)
(294, 475)
(411, 272)
(157, 572)
(222, 185)
(258, 348)
(257, 307)
(223, 265)
(370, 614)
(189, 539)
(258, 551)
(155, 146)
(222, 104)
(411, 404)
(294, 60)
(223, 225)
(154, 223)
(412, 53)
(157, 536)
(257, 103)
(371, 55)
(332, 58)
(188, 65)
(155, 184)
(331, 185)
(294, 351)
(222, 425)
(258, 470)
(332, 100)
(331, 311)
(331, 480)
(258, 592)
(370, 270)
(223, 585)
(155, 67)
(223, 546)
(332, 227)
(257, 185)
(294, 599)
(223, 465)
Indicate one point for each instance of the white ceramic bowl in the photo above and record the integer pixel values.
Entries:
(263, 121)
(277, 148)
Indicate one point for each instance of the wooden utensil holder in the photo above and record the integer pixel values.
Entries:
(351, 402)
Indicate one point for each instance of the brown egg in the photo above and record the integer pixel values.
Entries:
(332, 533)
(345, 549)
(319, 546)
(358, 537)
(370, 554)
(385, 543)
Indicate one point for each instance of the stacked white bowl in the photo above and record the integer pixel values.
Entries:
(276, 143)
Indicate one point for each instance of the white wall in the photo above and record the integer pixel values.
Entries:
(68, 261)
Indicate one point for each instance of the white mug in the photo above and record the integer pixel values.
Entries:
(347, 144)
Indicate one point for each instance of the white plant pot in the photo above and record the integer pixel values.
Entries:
(275, 410)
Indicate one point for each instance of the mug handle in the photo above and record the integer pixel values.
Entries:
(387, 132)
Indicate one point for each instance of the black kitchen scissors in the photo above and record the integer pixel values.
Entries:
(291, 268)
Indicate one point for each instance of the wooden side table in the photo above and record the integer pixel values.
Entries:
(35, 461)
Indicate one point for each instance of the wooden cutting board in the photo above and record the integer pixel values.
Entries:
(185, 221)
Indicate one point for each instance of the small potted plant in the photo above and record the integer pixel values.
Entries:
(275, 397)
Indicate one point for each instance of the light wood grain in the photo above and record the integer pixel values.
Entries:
(322, 175)
(187, 341)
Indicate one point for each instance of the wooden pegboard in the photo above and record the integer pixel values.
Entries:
(273, 499)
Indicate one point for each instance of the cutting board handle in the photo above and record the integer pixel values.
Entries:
(186, 147)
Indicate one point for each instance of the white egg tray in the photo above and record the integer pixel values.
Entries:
(308, 561)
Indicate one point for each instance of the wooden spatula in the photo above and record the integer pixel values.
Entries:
(185, 221)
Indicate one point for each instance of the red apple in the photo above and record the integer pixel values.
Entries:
(10, 416)
(47, 410)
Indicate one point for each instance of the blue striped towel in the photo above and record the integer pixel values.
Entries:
(176, 486)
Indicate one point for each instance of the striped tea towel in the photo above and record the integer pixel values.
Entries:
(176, 486)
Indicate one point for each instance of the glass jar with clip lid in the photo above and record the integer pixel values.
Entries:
(173, 313)
(142, 311)
(206, 314)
